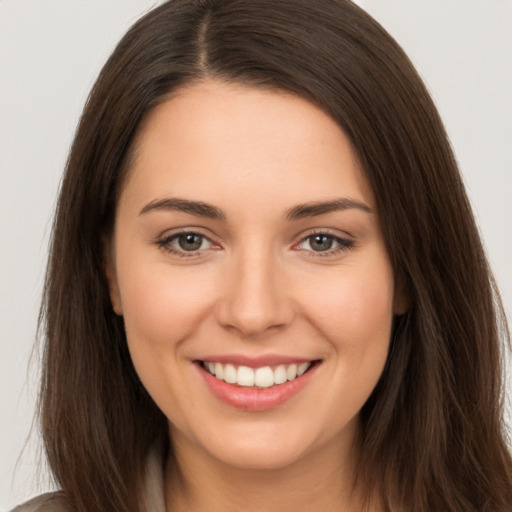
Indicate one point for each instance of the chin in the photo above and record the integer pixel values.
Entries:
(265, 446)
(253, 458)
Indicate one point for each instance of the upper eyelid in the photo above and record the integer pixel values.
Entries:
(176, 235)
(342, 235)
(337, 238)
(169, 233)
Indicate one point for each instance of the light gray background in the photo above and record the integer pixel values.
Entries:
(50, 54)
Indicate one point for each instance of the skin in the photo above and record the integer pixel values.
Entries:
(257, 286)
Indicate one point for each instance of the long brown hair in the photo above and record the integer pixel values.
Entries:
(433, 432)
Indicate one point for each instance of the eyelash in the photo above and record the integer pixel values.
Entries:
(166, 244)
(343, 244)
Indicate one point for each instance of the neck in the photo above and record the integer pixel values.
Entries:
(196, 481)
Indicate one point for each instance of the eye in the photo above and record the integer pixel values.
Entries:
(185, 242)
(320, 242)
(190, 241)
(325, 244)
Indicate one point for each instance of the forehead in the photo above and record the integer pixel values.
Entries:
(213, 137)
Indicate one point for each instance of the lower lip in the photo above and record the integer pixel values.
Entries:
(256, 399)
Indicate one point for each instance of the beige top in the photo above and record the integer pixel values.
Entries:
(154, 494)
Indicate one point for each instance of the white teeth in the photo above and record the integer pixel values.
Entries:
(280, 374)
(230, 374)
(219, 371)
(302, 368)
(291, 372)
(263, 377)
(245, 376)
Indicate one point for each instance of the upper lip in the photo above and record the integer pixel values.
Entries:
(255, 361)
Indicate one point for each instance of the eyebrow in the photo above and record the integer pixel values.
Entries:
(183, 205)
(300, 211)
(314, 209)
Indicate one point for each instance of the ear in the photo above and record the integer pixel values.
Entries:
(111, 275)
(401, 300)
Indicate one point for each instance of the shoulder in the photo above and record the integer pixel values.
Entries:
(49, 502)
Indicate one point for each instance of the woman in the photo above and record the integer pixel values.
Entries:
(266, 290)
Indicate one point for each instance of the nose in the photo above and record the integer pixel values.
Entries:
(255, 298)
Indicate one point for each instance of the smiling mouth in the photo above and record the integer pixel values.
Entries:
(256, 378)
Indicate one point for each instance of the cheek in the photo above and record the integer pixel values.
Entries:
(162, 305)
(354, 314)
(163, 308)
(354, 308)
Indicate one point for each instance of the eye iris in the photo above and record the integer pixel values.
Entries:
(321, 242)
(190, 241)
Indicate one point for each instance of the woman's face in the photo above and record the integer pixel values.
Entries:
(247, 244)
